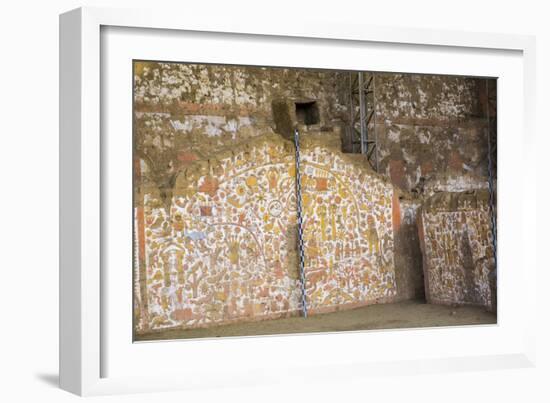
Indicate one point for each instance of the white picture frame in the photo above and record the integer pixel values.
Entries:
(96, 356)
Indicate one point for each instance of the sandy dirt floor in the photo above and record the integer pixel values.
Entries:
(407, 314)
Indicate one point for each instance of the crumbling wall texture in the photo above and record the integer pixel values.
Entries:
(428, 124)
(456, 243)
(227, 249)
(184, 112)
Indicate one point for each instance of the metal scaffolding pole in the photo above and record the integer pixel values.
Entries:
(490, 148)
(362, 111)
(363, 114)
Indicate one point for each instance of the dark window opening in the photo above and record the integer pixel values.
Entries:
(307, 113)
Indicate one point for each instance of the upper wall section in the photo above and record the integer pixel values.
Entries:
(184, 112)
(428, 124)
(424, 124)
(219, 90)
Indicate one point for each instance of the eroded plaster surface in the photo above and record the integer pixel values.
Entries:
(428, 125)
(184, 112)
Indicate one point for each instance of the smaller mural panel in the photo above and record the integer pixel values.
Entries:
(459, 264)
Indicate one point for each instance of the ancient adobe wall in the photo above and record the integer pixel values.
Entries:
(424, 123)
(184, 112)
(432, 136)
(428, 124)
(227, 250)
(456, 241)
(189, 116)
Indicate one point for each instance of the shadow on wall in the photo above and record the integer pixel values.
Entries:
(408, 257)
(49, 379)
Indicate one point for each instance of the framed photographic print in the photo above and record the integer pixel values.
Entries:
(241, 204)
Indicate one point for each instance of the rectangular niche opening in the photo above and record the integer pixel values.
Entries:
(307, 113)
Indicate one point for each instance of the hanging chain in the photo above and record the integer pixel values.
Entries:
(299, 223)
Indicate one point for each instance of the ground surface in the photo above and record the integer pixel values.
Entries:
(407, 314)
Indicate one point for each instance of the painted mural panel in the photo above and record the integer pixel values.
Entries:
(458, 250)
(226, 250)
(348, 232)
